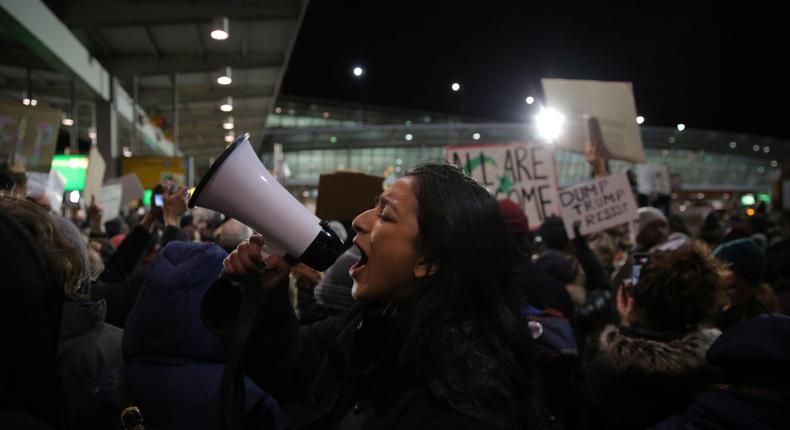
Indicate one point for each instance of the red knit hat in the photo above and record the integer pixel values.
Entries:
(515, 219)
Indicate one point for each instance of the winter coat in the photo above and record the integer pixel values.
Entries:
(123, 276)
(343, 370)
(30, 316)
(533, 285)
(640, 377)
(88, 346)
(172, 363)
(727, 410)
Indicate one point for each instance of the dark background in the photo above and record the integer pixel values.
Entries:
(707, 65)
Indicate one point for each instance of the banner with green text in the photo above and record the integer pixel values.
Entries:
(523, 172)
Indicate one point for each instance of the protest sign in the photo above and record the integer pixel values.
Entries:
(522, 172)
(109, 200)
(335, 202)
(653, 178)
(612, 103)
(598, 204)
(132, 189)
(46, 188)
(29, 135)
(94, 177)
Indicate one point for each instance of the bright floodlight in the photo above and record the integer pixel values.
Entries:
(408, 137)
(68, 122)
(26, 101)
(74, 196)
(640, 119)
(33, 102)
(476, 136)
(358, 71)
(530, 100)
(681, 127)
(549, 123)
(225, 77)
(455, 86)
(228, 124)
(220, 28)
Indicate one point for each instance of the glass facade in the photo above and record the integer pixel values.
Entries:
(312, 152)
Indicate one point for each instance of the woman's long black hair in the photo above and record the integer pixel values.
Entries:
(463, 336)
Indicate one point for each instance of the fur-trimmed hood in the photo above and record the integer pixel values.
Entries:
(675, 357)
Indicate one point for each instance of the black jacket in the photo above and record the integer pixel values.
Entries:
(641, 377)
(343, 369)
(88, 346)
(728, 410)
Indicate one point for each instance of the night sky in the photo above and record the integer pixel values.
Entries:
(708, 66)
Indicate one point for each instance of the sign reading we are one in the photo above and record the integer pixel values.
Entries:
(523, 172)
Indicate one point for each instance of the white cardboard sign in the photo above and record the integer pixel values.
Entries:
(598, 204)
(110, 201)
(612, 103)
(94, 177)
(50, 185)
(522, 172)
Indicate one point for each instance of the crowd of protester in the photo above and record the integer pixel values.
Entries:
(447, 310)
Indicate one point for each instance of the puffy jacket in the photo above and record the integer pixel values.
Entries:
(173, 364)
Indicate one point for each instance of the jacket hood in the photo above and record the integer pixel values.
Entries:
(79, 318)
(165, 321)
(673, 357)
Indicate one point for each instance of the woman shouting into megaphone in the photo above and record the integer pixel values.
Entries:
(432, 342)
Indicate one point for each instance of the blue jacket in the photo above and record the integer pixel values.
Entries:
(173, 364)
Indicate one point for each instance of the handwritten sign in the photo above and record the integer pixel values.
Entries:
(522, 172)
(598, 204)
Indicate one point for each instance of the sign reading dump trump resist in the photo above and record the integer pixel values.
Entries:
(598, 204)
(522, 172)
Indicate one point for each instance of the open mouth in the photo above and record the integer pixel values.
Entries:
(359, 265)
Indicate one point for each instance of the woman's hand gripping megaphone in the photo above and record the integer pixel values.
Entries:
(252, 258)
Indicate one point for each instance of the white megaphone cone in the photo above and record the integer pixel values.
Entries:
(239, 185)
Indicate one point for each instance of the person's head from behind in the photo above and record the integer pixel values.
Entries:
(676, 291)
(745, 262)
(232, 233)
(552, 233)
(63, 257)
(653, 227)
(753, 356)
(517, 226)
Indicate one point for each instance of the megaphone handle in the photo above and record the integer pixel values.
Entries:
(231, 395)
